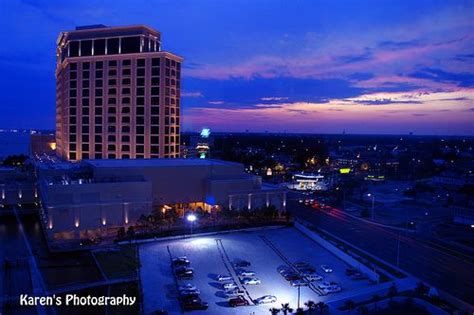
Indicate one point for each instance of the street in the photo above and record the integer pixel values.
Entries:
(449, 272)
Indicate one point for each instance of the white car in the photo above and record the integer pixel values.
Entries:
(229, 286)
(234, 293)
(223, 278)
(324, 285)
(266, 299)
(333, 289)
(187, 286)
(298, 283)
(251, 281)
(326, 268)
(313, 277)
(246, 273)
(190, 291)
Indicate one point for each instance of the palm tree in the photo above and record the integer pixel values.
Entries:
(349, 304)
(285, 308)
(322, 307)
(311, 306)
(274, 310)
(363, 310)
(299, 311)
(375, 299)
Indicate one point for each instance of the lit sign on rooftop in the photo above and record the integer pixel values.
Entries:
(205, 132)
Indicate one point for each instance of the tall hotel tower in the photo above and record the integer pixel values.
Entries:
(117, 94)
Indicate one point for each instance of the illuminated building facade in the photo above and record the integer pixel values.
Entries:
(117, 94)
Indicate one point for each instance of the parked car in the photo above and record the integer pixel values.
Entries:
(187, 286)
(292, 277)
(313, 277)
(229, 286)
(266, 299)
(242, 264)
(246, 273)
(326, 268)
(298, 283)
(238, 301)
(234, 293)
(333, 289)
(189, 297)
(351, 271)
(184, 273)
(181, 261)
(195, 305)
(251, 281)
(326, 284)
(223, 278)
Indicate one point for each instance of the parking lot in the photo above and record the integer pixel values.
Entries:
(268, 251)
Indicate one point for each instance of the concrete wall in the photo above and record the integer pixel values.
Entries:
(337, 252)
(94, 205)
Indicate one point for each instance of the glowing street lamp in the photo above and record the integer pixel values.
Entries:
(191, 218)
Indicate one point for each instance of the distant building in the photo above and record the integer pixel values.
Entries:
(95, 197)
(117, 94)
(41, 143)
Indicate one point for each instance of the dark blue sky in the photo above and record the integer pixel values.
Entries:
(302, 66)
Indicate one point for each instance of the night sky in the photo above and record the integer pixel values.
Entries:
(295, 66)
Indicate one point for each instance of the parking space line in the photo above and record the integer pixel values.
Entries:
(288, 262)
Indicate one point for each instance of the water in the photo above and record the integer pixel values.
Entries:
(14, 143)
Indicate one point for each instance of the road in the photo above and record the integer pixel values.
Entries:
(450, 272)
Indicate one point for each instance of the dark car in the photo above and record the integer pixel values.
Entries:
(184, 273)
(195, 305)
(292, 277)
(238, 301)
(242, 264)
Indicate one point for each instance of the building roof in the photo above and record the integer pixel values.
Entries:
(114, 163)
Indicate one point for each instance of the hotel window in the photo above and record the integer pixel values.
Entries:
(97, 138)
(85, 102)
(85, 92)
(112, 82)
(140, 91)
(125, 138)
(126, 72)
(72, 102)
(85, 155)
(155, 71)
(140, 130)
(130, 45)
(72, 146)
(111, 147)
(112, 72)
(155, 120)
(126, 81)
(98, 92)
(98, 101)
(73, 66)
(72, 138)
(155, 81)
(98, 64)
(72, 155)
(111, 138)
(126, 148)
(126, 156)
(113, 91)
(126, 62)
(98, 129)
(126, 110)
(154, 140)
(112, 46)
(141, 110)
(86, 48)
(155, 101)
(85, 74)
(85, 111)
(98, 155)
(155, 91)
(154, 150)
(140, 149)
(140, 139)
(86, 65)
(99, 47)
(125, 90)
(72, 93)
(140, 62)
(155, 62)
(98, 147)
(112, 110)
(126, 119)
(99, 73)
(111, 156)
(72, 84)
(141, 72)
(98, 120)
(98, 83)
(140, 120)
(155, 130)
(73, 49)
(111, 129)
(85, 147)
(126, 129)
(73, 75)
(155, 110)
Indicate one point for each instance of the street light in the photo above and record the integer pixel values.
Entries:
(373, 203)
(191, 218)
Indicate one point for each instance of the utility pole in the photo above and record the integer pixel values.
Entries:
(299, 294)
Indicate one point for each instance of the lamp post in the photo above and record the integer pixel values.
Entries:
(373, 204)
(191, 218)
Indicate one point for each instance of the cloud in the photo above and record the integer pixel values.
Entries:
(462, 79)
(191, 94)
(274, 98)
(216, 102)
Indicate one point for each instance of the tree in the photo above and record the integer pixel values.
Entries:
(363, 310)
(299, 311)
(285, 308)
(15, 160)
(322, 307)
(121, 232)
(349, 304)
(311, 306)
(130, 231)
(274, 310)
(375, 299)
